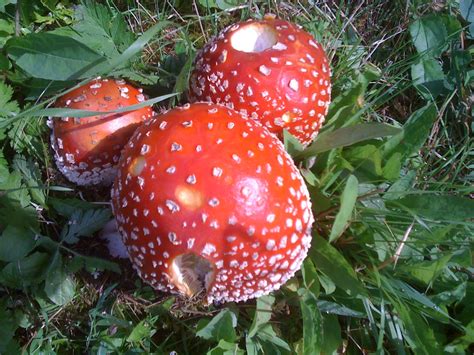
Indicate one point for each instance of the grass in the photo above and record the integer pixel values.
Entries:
(390, 269)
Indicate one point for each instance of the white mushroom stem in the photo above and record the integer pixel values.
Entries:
(115, 244)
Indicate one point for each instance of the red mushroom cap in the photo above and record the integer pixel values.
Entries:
(207, 200)
(87, 150)
(270, 70)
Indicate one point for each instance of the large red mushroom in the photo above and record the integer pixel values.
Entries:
(208, 201)
(270, 70)
(87, 149)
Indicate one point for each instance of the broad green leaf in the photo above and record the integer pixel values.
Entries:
(347, 136)
(59, 286)
(143, 330)
(428, 78)
(92, 263)
(339, 309)
(226, 348)
(462, 344)
(25, 272)
(414, 133)
(292, 144)
(220, 327)
(401, 187)
(136, 46)
(429, 34)
(425, 271)
(366, 162)
(332, 339)
(348, 200)
(328, 259)
(419, 335)
(310, 277)
(466, 8)
(62, 58)
(15, 243)
(439, 207)
(84, 224)
(452, 295)
(312, 327)
(8, 328)
(263, 313)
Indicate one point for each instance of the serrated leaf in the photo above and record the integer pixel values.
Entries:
(348, 200)
(312, 323)
(59, 286)
(346, 136)
(414, 133)
(439, 207)
(428, 78)
(84, 224)
(220, 327)
(327, 259)
(8, 106)
(32, 178)
(67, 206)
(62, 58)
(429, 34)
(15, 243)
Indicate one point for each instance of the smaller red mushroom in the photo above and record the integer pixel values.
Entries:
(87, 150)
(270, 70)
(209, 201)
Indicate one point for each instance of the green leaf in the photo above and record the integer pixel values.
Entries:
(428, 78)
(15, 243)
(8, 107)
(466, 7)
(347, 136)
(328, 260)
(312, 327)
(226, 348)
(419, 335)
(25, 272)
(292, 144)
(414, 133)
(332, 339)
(8, 328)
(68, 206)
(31, 177)
(425, 271)
(59, 286)
(84, 224)
(310, 277)
(62, 58)
(220, 327)
(141, 331)
(401, 187)
(341, 310)
(348, 200)
(263, 313)
(429, 34)
(439, 207)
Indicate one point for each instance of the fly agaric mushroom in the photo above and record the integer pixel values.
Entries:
(270, 70)
(87, 149)
(209, 201)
